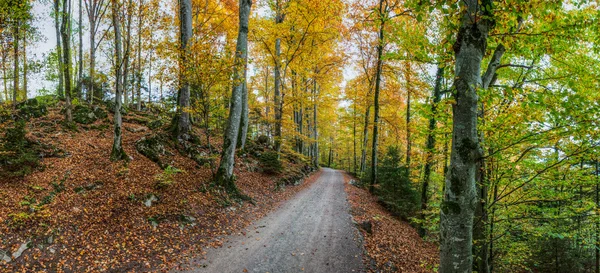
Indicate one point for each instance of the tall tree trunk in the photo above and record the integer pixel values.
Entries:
(183, 124)
(380, 44)
(365, 141)
(597, 250)
(315, 158)
(150, 68)
(460, 197)
(354, 166)
(117, 153)
(278, 97)
(408, 138)
(65, 31)
(480, 238)
(127, 56)
(24, 97)
(224, 176)
(5, 80)
(80, 72)
(16, 62)
(430, 146)
(243, 134)
(92, 75)
(60, 90)
(139, 59)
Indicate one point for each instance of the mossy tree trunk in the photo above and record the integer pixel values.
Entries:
(460, 196)
(224, 176)
(380, 44)
(118, 153)
(65, 32)
(182, 123)
(430, 146)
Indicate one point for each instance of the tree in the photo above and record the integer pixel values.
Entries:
(457, 210)
(224, 175)
(117, 153)
(95, 9)
(182, 123)
(65, 33)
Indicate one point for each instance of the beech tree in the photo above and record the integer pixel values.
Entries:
(117, 153)
(224, 176)
(181, 122)
(65, 33)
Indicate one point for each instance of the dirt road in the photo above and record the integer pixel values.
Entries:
(312, 232)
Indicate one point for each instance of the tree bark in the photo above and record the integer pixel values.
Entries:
(460, 197)
(117, 152)
(315, 158)
(376, 99)
(60, 90)
(365, 142)
(243, 134)
(139, 59)
(430, 146)
(16, 62)
(224, 176)
(65, 31)
(127, 56)
(24, 67)
(183, 124)
(278, 97)
(80, 72)
(408, 137)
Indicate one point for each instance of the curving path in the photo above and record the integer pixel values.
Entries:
(312, 232)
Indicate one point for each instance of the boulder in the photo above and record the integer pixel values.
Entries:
(152, 147)
(31, 108)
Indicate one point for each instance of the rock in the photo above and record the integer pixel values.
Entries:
(151, 147)
(51, 250)
(4, 256)
(186, 219)
(87, 115)
(149, 199)
(366, 226)
(31, 108)
(22, 248)
(135, 130)
(155, 124)
(110, 105)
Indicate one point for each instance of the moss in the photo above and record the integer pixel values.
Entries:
(151, 147)
(31, 108)
(456, 185)
(450, 207)
(155, 124)
(20, 156)
(467, 149)
(270, 162)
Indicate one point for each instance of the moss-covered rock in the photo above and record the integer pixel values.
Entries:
(110, 106)
(85, 114)
(155, 124)
(31, 108)
(20, 156)
(152, 147)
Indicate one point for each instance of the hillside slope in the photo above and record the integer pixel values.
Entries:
(80, 212)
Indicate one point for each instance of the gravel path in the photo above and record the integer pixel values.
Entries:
(312, 232)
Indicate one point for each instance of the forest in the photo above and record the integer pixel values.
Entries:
(134, 134)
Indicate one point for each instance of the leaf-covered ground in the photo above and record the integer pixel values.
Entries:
(84, 213)
(392, 245)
